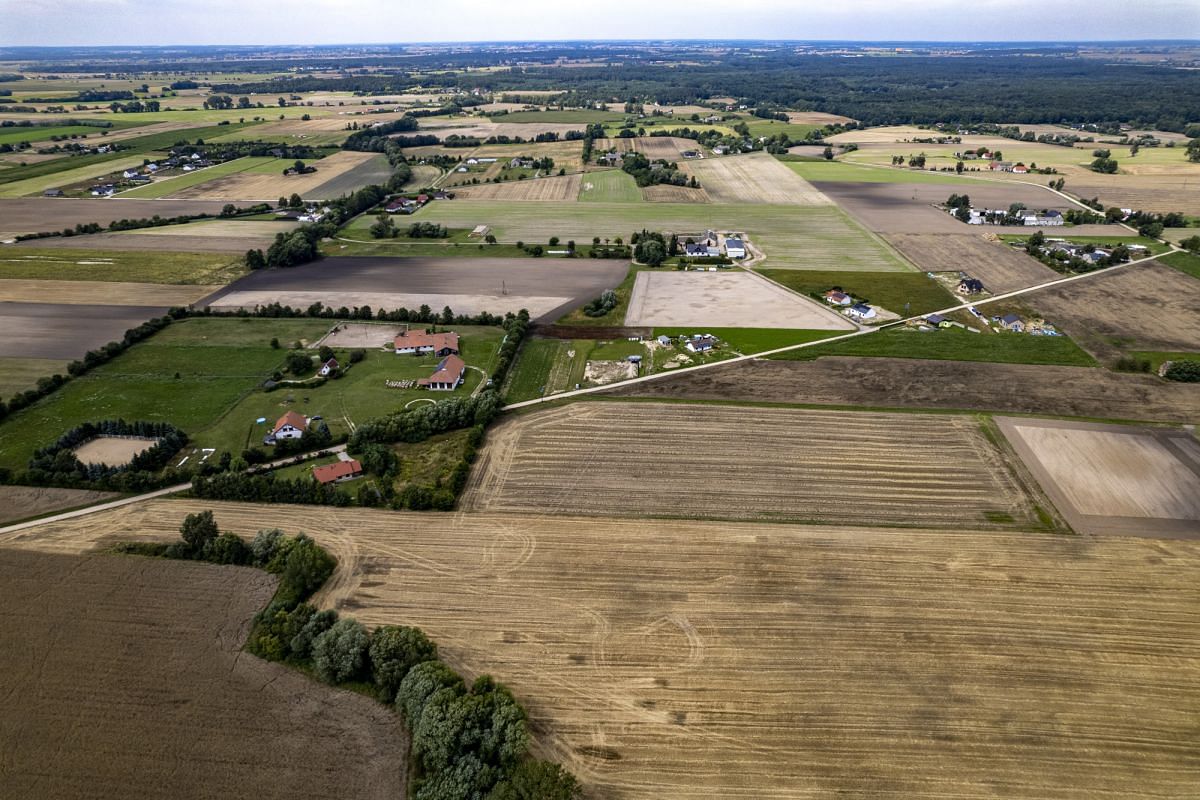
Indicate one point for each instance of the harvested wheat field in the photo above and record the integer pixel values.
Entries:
(558, 189)
(1001, 268)
(268, 187)
(753, 178)
(141, 690)
(750, 661)
(22, 502)
(1161, 193)
(668, 148)
(665, 193)
(1114, 478)
(816, 118)
(112, 293)
(614, 459)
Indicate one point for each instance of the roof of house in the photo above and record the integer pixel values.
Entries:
(420, 339)
(449, 370)
(861, 308)
(331, 363)
(1009, 319)
(935, 319)
(291, 418)
(733, 243)
(328, 473)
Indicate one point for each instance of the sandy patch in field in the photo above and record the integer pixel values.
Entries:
(558, 189)
(360, 334)
(459, 303)
(250, 186)
(753, 178)
(113, 451)
(1112, 478)
(725, 299)
(112, 293)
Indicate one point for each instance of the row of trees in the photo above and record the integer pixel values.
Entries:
(651, 173)
(57, 465)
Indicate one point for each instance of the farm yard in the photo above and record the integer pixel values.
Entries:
(753, 178)
(802, 237)
(558, 189)
(1112, 479)
(837, 652)
(1001, 268)
(724, 299)
(878, 382)
(751, 464)
(148, 652)
(467, 285)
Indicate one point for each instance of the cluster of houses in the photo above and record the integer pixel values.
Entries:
(451, 370)
(306, 214)
(997, 216)
(849, 306)
(711, 245)
(696, 343)
(410, 205)
(1013, 323)
(1008, 166)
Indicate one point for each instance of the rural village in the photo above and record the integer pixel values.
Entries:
(600, 420)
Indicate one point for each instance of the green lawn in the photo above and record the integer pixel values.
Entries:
(1157, 357)
(752, 340)
(166, 186)
(797, 236)
(19, 374)
(892, 290)
(529, 375)
(610, 186)
(135, 266)
(952, 345)
(1184, 262)
(854, 173)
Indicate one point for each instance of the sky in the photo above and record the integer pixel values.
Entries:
(160, 22)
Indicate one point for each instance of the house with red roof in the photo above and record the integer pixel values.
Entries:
(448, 377)
(420, 343)
(338, 471)
(290, 426)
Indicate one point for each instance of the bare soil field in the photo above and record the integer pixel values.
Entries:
(664, 193)
(918, 383)
(1114, 479)
(22, 502)
(35, 214)
(60, 330)
(1000, 267)
(1147, 306)
(745, 463)
(816, 118)
(124, 677)
(374, 171)
(753, 178)
(260, 187)
(467, 285)
(557, 189)
(113, 451)
(360, 334)
(111, 293)
(726, 299)
(668, 148)
(750, 661)
(909, 207)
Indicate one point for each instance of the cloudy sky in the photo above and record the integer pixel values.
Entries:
(126, 22)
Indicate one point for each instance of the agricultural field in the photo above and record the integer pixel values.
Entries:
(846, 172)
(730, 298)
(18, 374)
(42, 133)
(799, 466)
(836, 653)
(1187, 263)
(67, 177)
(609, 186)
(256, 185)
(1112, 479)
(1001, 268)
(801, 237)
(65, 331)
(1160, 193)
(544, 287)
(897, 292)
(35, 214)
(1145, 306)
(668, 148)
(109, 293)
(39, 263)
(753, 178)
(168, 187)
(556, 189)
(23, 502)
(666, 193)
(148, 652)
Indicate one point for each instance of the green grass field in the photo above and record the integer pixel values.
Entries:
(753, 340)
(547, 366)
(63, 172)
(854, 173)
(1184, 262)
(134, 266)
(166, 186)
(803, 237)
(953, 345)
(1155, 247)
(772, 127)
(204, 375)
(19, 374)
(610, 186)
(581, 116)
(42, 133)
(892, 290)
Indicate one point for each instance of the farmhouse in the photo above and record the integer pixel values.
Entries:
(735, 248)
(701, 343)
(448, 377)
(338, 471)
(838, 298)
(861, 311)
(480, 231)
(1011, 322)
(665, 341)
(969, 286)
(419, 343)
(936, 320)
(290, 426)
(53, 193)
(328, 368)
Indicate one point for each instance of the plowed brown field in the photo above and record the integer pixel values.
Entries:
(749, 463)
(749, 661)
(1001, 268)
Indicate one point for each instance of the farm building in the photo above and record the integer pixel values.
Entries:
(861, 311)
(290, 426)
(735, 248)
(935, 320)
(665, 341)
(838, 298)
(701, 343)
(419, 343)
(53, 193)
(328, 368)
(338, 471)
(1011, 322)
(480, 231)
(448, 377)
(969, 286)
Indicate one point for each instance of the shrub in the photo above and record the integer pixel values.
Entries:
(395, 650)
(1184, 371)
(264, 545)
(227, 548)
(538, 780)
(340, 653)
(198, 531)
(315, 625)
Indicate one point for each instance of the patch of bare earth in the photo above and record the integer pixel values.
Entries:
(22, 502)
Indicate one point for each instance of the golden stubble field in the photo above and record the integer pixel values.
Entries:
(753, 178)
(745, 660)
(728, 462)
(269, 186)
(557, 189)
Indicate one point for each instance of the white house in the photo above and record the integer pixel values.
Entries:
(701, 343)
(328, 368)
(447, 377)
(290, 426)
(861, 311)
(735, 248)
(836, 298)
